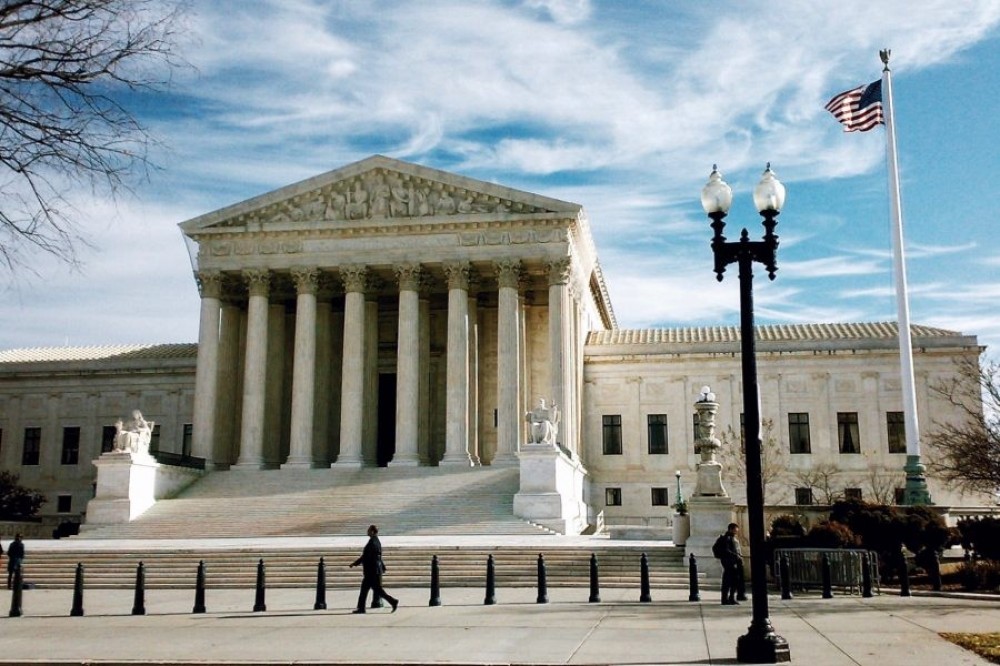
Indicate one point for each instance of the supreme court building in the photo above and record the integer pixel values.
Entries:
(389, 314)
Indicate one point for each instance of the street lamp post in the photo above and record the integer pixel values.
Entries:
(760, 645)
(680, 498)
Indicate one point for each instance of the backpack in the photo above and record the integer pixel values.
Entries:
(719, 547)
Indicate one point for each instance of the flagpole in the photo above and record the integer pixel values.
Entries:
(915, 491)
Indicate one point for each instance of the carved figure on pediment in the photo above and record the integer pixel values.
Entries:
(544, 422)
(423, 203)
(445, 204)
(357, 205)
(281, 216)
(336, 206)
(399, 204)
(380, 199)
(134, 436)
(314, 210)
(465, 205)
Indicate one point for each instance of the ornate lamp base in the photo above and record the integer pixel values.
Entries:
(915, 491)
(762, 646)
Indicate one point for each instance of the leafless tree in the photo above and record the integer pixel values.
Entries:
(772, 463)
(966, 451)
(67, 70)
(821, 479)
(882, 483)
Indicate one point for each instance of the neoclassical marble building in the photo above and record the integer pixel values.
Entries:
(388, 314)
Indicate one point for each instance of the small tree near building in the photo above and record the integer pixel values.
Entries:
(16, 501)
(772, 461)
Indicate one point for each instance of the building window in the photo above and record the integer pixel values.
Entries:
(154, 439)
(32, 446)
(852, 494)
(899, 496)
(656, 425)
(896, 430)
(803, 496)
(108, 438)
(186, 440)
(71, 445)
(847, 432)
(612, 433)
(660, 496)
(798, 432)
(64, 504)
(612, 496)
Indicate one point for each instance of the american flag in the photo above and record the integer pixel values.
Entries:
(860, 109)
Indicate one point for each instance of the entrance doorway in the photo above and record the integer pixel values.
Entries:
(386, 439)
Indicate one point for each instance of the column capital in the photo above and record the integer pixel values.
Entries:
(559, 270)
(459, 274)
(209, 283)
(411, 277)
(355, 278)
(258, 281)
(508, 272)
(306, 280)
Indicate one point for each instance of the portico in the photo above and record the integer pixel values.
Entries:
(387, 313)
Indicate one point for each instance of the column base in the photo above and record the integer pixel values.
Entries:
(299, 463)
(405, 461)
(248, 465)
(505, 460)
(347, 464)
(456, 460)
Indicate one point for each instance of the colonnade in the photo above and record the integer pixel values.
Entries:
(221, 341)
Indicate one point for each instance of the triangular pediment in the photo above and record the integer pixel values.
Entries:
(378, 189)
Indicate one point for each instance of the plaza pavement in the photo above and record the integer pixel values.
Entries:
(882, 631)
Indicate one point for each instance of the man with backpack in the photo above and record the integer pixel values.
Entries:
(727, 550)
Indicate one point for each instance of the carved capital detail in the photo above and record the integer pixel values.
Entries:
(508, 272)
(458, 274)
(560, 271)
(209, 284)
(355, 278)
(306, 280)
(410, 277)
(258, 281)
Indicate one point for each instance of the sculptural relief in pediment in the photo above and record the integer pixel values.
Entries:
(381, 195)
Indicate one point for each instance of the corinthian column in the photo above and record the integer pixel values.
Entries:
(456, 443)
(206, 372)
(509, 426)
(407, 366)
(300, 450)
(254, 371)
(559, 272)
(352, 375)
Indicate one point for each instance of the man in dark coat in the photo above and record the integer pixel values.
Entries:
(372, 568)
(15, 557)
(732, 565)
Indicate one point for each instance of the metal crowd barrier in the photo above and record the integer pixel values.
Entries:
(805, 567)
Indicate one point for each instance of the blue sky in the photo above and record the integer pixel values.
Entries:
(622, 107)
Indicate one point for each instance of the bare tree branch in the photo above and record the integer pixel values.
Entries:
(65, 66)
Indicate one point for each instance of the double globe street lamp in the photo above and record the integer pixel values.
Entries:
(760, 645)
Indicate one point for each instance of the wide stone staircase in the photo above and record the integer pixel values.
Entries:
(232, 520)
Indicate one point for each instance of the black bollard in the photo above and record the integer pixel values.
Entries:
(139, 601)
(77, 610)
(543, 588)
(259, 606)
(491, 597)
(694, 594)
(595, 586)
(827, 577)
(644, 596)
(866, 575)
(320, 585)
(904, 576)
(783, 572)
(16, 594)
(435, 583)
(199, 589)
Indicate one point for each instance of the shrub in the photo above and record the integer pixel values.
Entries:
(787, 525)
(982, 536)
(831, 534)
(982, 575)
(16, 501)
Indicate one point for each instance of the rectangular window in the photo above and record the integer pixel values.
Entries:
(154, 439)
(798, 432)
(847, 432)
(108, 438)
(853, 494)
(71, 445)
(896, 430)
(64, 503)
(660, 496)
(696, 429)
(612, 434)
(656, 425)
(186, 440)
(803, 496)
(32, 446)
(612, 496)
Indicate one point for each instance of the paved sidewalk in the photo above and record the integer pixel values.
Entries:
(882, 631)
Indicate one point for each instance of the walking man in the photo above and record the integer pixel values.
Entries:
(15, 556)
(372, 569)
(732, 564)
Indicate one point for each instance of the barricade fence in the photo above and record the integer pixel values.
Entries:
(805, 567)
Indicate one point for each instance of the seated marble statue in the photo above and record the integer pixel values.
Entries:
(134, 436)
(544, 423)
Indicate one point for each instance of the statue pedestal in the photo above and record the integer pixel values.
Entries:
(128, 484)
(551, 492)
(709, 517)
